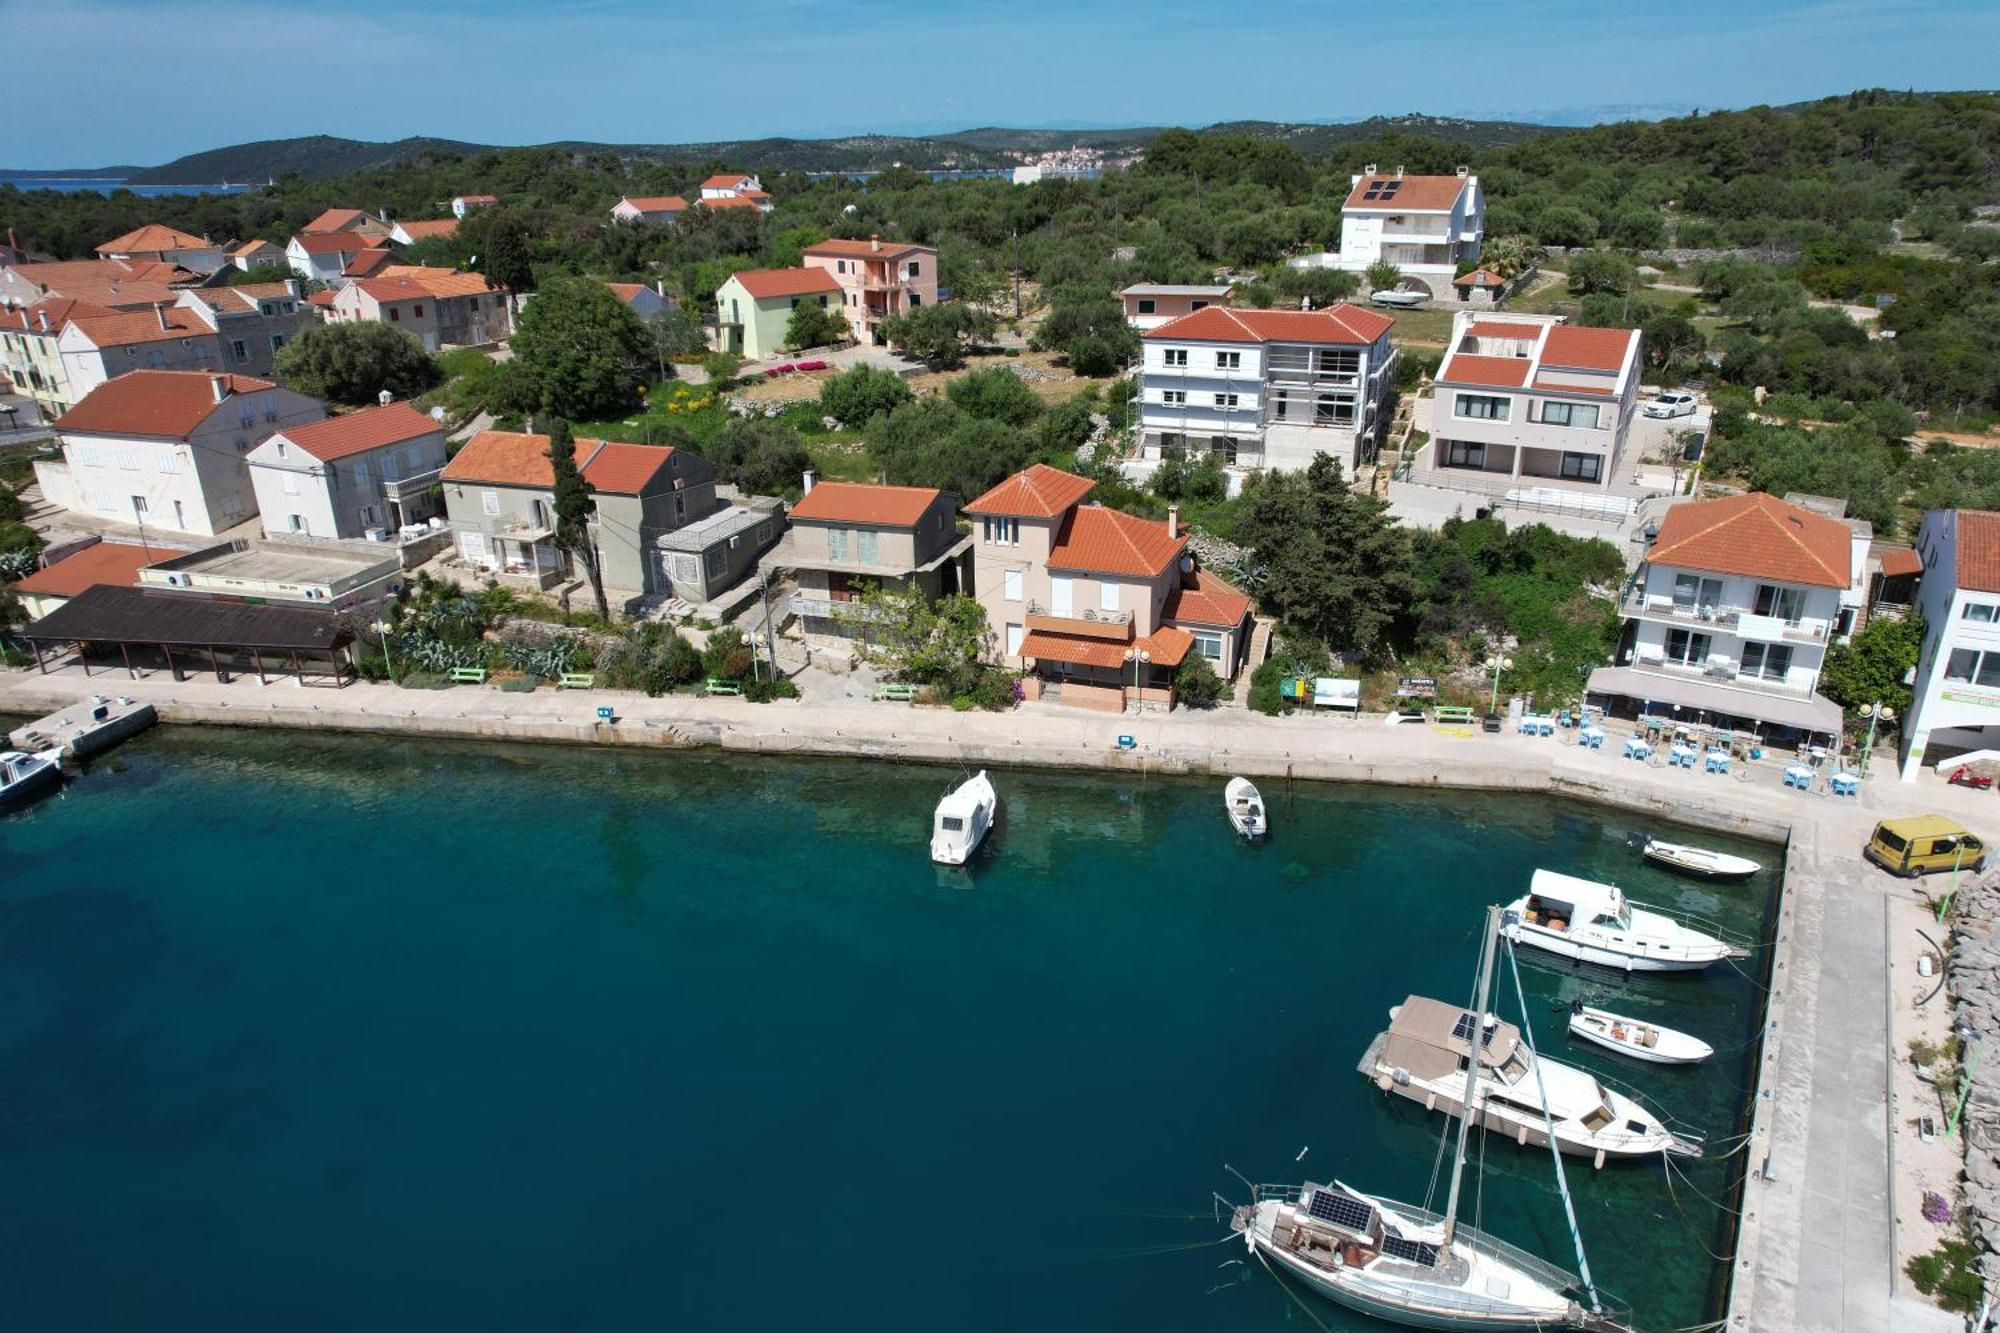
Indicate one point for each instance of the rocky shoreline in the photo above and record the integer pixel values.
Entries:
(1973, 976)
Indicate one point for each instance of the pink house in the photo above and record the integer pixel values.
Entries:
(877, 279)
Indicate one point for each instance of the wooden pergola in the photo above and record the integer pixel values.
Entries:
(182, 632)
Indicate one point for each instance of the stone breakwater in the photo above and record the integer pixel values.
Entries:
(1973, 975)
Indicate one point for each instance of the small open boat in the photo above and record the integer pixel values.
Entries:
(1699, 861)
(23, 777)
(1396, 297)
(1246, 809)
(1642, 1041)
(962, 819)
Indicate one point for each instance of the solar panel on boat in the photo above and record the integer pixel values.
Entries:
(1462, 1030)
(1340, 1210)
(1410, 1251)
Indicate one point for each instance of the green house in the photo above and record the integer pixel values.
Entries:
(753, 308)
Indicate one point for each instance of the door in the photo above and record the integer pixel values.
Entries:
(1014, 637)
(1062, 600)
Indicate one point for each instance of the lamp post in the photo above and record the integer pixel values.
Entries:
(1875, 712)
(381, 627)
(1497, 663)
(1138, 657)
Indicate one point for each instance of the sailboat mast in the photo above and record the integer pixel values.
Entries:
(1469, 1106)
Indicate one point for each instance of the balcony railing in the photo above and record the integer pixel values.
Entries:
(807, 606)
(1085, 623)
(1728, 619)
(401, 489)
(1717, 671)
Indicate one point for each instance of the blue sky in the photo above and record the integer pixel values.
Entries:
(147, 82)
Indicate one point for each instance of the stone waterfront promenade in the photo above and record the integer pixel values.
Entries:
(1821, 1203)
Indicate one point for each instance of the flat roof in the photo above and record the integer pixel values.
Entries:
(282, 564)
(106, 614)
(706, 532)
(1175, 289)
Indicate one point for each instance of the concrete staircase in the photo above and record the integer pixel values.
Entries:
(1260, 648)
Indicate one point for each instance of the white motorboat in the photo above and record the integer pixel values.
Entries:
(1424, 1054)
(1400, 299)
(1411, 1266)
(1629, 1036)
(24, 776)
(1699, 861)
(1594, 923)
(1246, 809)
(962, 819)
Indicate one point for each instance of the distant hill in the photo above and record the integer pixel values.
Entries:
(323, 156)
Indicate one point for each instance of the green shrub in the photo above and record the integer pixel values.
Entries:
(1949, 1274)
(1196, 684)
(424, 680)
(996, 692)
(763, 690)
(963, 704)
(520, 684)
(728, 655)
(854, 397)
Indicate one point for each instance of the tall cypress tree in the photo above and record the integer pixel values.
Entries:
(573, 505)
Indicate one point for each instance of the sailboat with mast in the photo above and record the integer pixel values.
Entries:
(1408, 1265)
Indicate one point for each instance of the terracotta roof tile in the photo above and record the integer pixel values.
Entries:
(766, 283)
(336, 219)
(732, 201)
(368, 262)
(1479, 277)
(478, 198)
(1578, 347)
(1509, 372)
(1342, 325)
(101, 562)
(1405, 194)
(425, 228)
(511, 458)
(1097, 540)
(857, 502)
(353, 433)
(1978, 550)
(124, 330)
(1554, 386)
(1046, 647)
(656, 203)
(168, 403)
(623, 469)
(865, 249)
(1759, 536)
(726, 181)
(1166, 646)
(152, 238)
(1898, 561)
(332, 242)
(251, 247)
(59, 310)
(1040, 491)
(1206, 599)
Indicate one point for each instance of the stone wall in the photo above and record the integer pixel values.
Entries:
(1974, 978)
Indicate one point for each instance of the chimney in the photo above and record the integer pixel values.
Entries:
(1464, 171)
(1370, 169)
(385, 398)
(292, 286)
(811, 477)
(160, 313)
(875, 242)
(1399, 171)
(1173, 521)
(219, 386)
(45, 319)
(660, 286)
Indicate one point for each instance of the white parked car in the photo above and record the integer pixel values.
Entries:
(1671, 404)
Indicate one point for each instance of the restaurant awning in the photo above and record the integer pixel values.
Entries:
(1812, 713)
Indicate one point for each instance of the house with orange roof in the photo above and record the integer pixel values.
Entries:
(410, 231)
(439, 307)
(848, 537)
(79, 567)
(1531, 402)
(323, 256)
(652, 209)
(1955, 697)
(1097, 607)
(877, 279)
(1728, 619)
(465, 203)
(114, 283)
(1265, 390)
(1425, 225)
(375, 469)
(753, 308)
(257, 253)
(30, 358)
(643, 301)
(165, 448)
(234, 329)
(499, 494)
(356, 221)
(159, 244)
(735, 190)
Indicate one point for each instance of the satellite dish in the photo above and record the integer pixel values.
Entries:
(437, 415)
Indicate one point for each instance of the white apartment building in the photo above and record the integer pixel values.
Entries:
(1424, 225)
(1265, 390)
(375, 469)
(1955, 699)
(1528, 400)
(166, 448)
(1728, 618)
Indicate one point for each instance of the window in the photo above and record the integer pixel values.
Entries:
(1107, 597)
(1693, 592)
(1173, 397)
(916, 299)
(1148, 306)
(298, 522)
(1197, 305)
(822, 302)
(489, 503)
(1001, 530)
(239, 349)
(836, 544)
(170, 461)
(128, 460)
(1010, 582)
(1989, 671)
(1464, 453)
(1209, 644)
(867, 546)
(1014, 637)
(1175, 357)
(1332, 411)
(1687, 647)
(1569, 414)
(277, 341)
(1229, 360)
(1280, 405)
(1483, 407)
(1978, 612)
(1581, 467)
(840, 265)
(1964, 662)
(416, 312)
(291, 482)
(395, 315)
(1785, 603)
(1225, 400)
(1339, 362)
(1767, 661)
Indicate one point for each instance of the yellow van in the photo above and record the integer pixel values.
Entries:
(1924, 845)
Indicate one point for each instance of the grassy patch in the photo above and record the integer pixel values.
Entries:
(17, 461)
(1949, 1274)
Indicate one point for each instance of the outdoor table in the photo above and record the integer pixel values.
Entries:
(1846, 784)
(1636, 748)
(1716, 761)
(1682, 756)
(1591, 738)
(1534, 725)
(1799, 776)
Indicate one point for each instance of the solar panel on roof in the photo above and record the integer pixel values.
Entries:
(1341, 1211)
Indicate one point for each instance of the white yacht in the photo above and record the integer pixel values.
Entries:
(1246, 809)
(1411, 1266)
(1594, 923)
(962, 819)
(1650, 1042)
(1698, 861)
(1424, 1056)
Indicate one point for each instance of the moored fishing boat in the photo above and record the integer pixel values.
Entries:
(1642, 1041)
(1595, 923)
(962, 819)
(1698, 861)
(1246, 809)
(23, 777)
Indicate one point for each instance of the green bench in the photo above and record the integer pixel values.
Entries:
(895, 693)
(468, 675)
(1448, 713)
(717, 685)
(576, 680)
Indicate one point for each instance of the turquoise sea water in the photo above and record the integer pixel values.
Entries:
(325, 1033)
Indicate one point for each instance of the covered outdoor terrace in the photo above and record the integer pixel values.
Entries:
(144, 630)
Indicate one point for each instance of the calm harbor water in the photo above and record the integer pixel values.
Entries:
(107, 184)
(322, 1033)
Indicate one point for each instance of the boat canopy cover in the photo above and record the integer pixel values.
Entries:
(1590, 898)
(1428, 1037)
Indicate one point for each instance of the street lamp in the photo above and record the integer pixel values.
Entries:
(1875, 712)
(381, 627)
(1138, 657)
(1497, 664)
